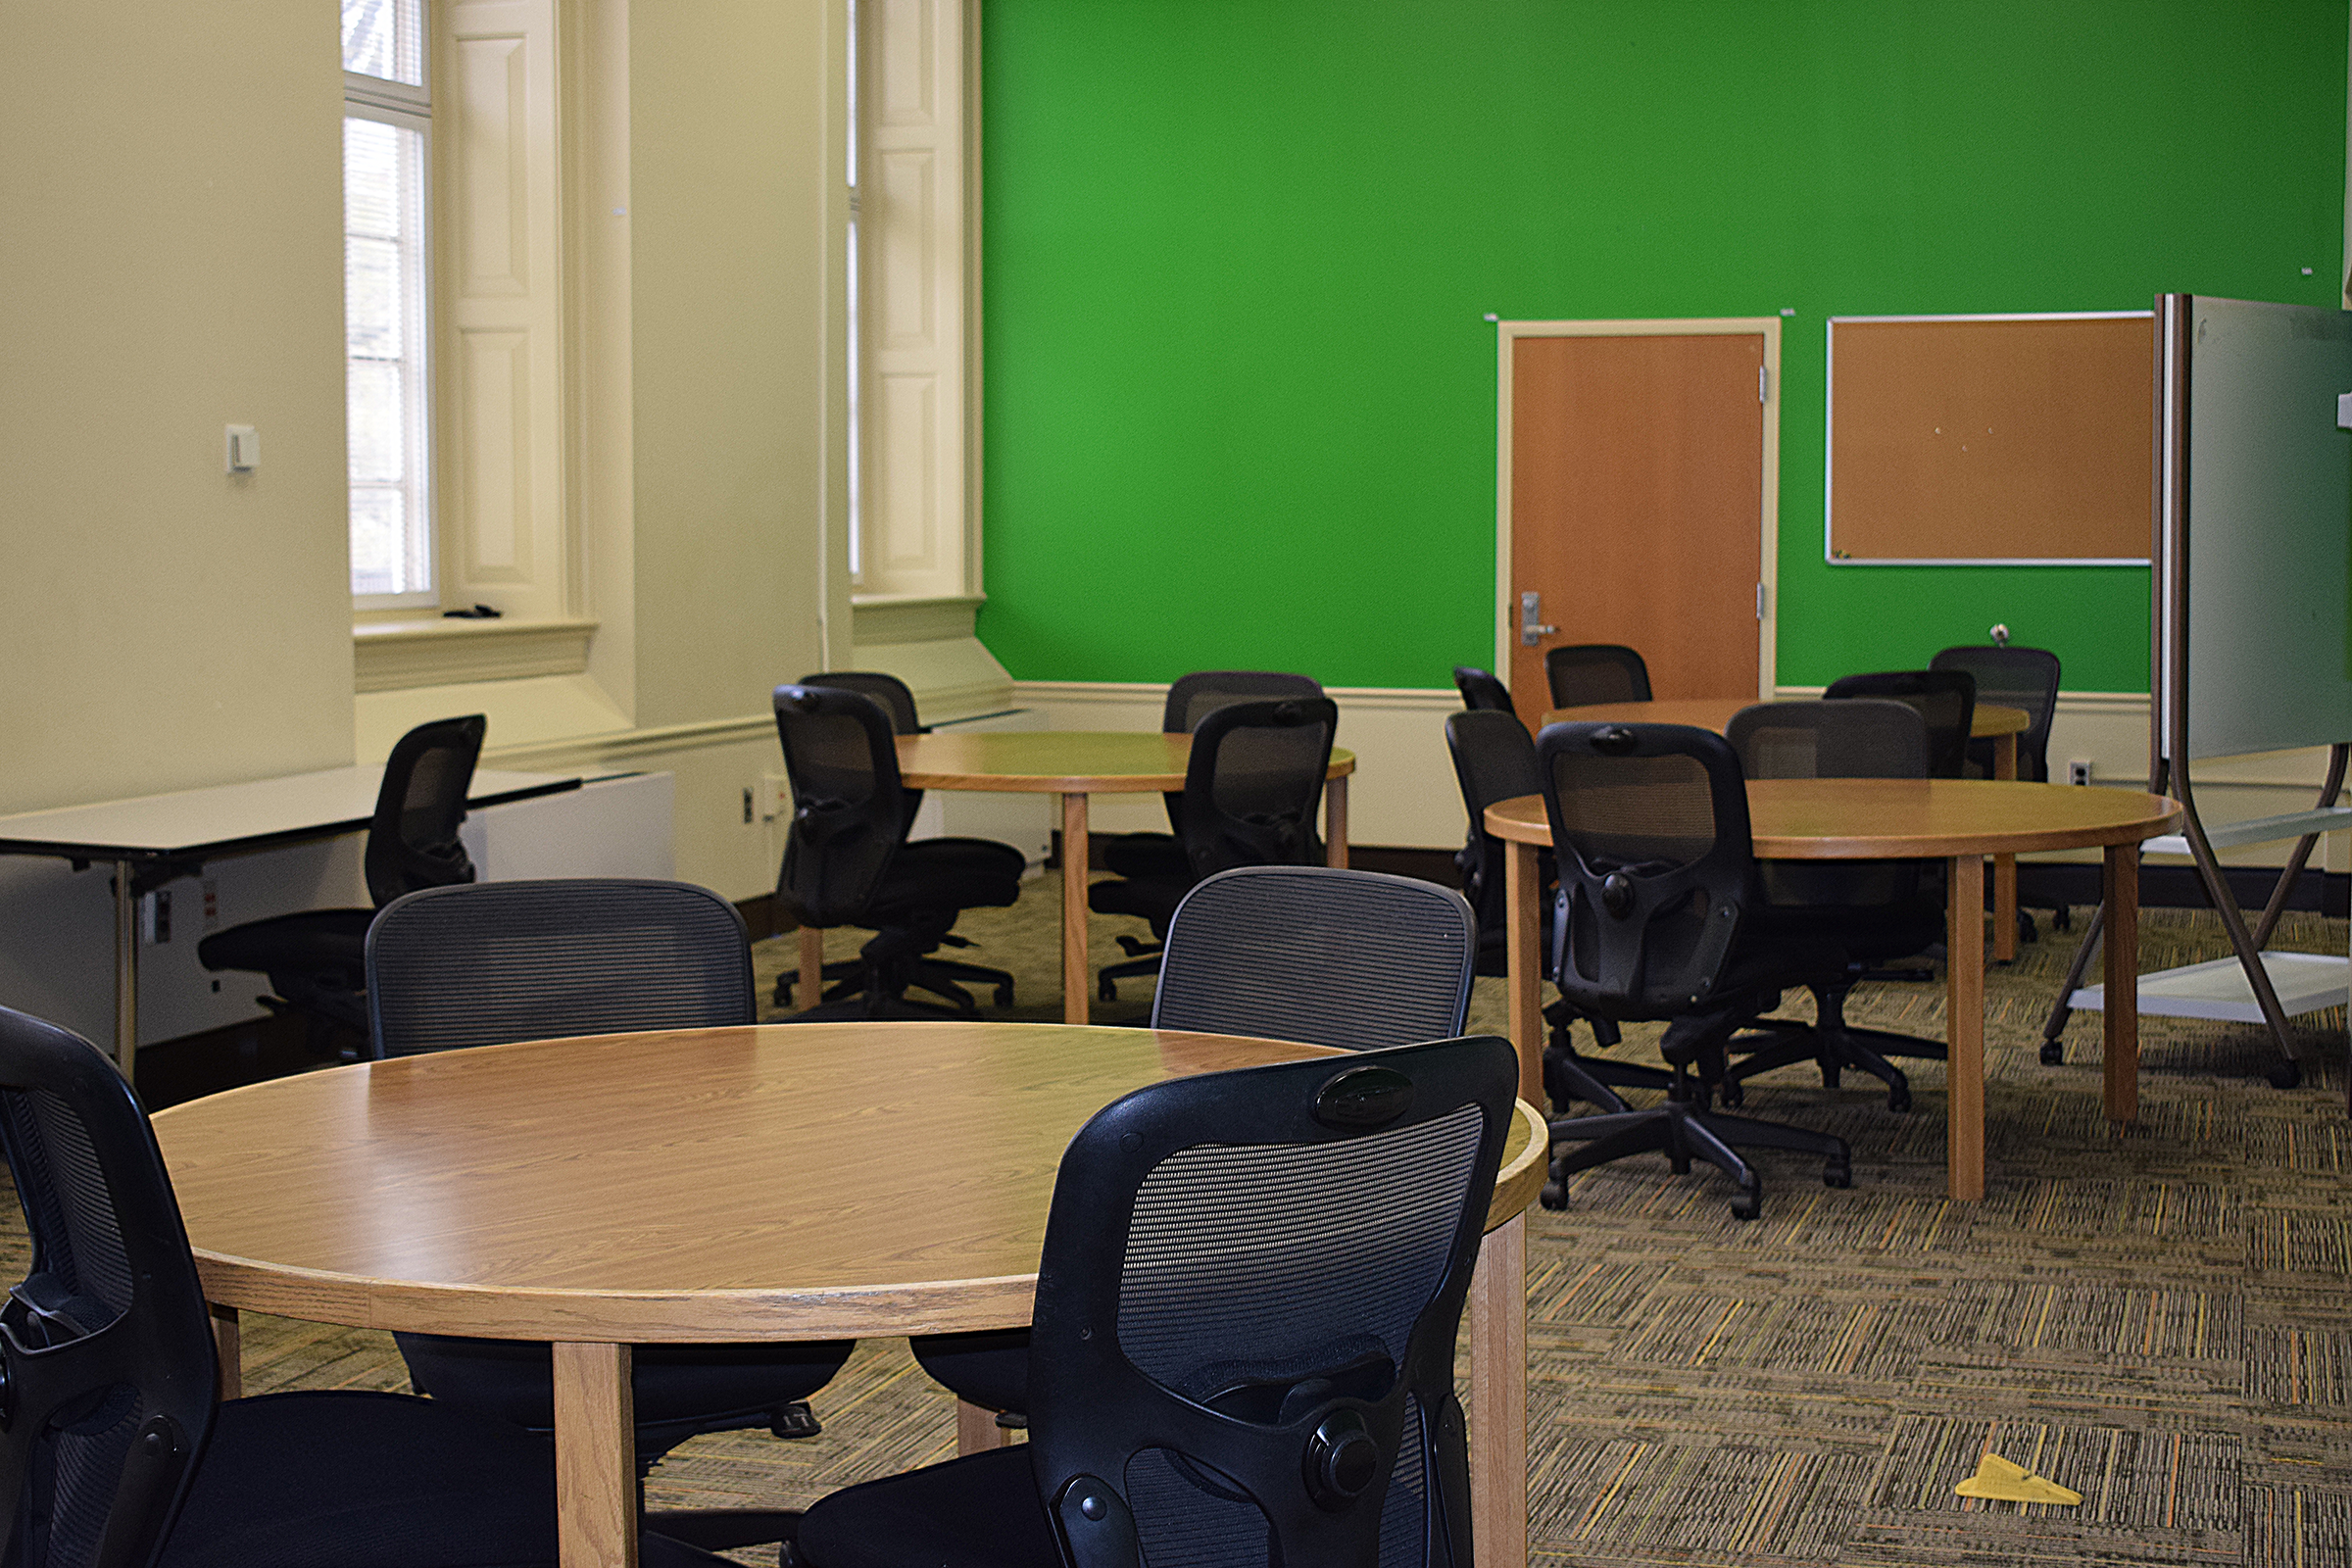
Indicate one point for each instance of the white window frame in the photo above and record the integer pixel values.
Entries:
(409, 108)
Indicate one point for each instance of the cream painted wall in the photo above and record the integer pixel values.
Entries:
(732, 264)
(170, 262)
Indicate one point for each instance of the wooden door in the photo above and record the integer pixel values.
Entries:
(1636, 499)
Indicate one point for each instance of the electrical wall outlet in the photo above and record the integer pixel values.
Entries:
(154, 916)
(2077, 771)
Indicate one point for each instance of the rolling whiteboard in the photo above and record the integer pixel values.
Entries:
(2257, 565)
(2007, 439)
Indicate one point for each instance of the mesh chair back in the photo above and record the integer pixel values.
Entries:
(1480, 690)
(890, 694)
(1192, 698)
(1252, 782)
(1650, 825)
(413, 840)
(106, 1343)
(1861, 737)
(1864, 738)
(1945, 698)
(537, 961)
(1596, 672)
(2012, 677)
(1318, 954)
(1493, 759)
(1242, 1349)
(849, 812)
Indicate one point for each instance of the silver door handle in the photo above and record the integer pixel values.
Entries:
(1532, 629)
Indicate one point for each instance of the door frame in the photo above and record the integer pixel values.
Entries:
(1507, 334)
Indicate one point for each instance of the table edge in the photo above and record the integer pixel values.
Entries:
(649, 1318)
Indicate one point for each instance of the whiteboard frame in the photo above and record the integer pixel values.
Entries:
(1829, 450)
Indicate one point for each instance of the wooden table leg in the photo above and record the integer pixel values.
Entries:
(2004, 866)
(1499, 1399)
(1964, 1028)
(596, 1457)
(1523, 938)
(1335, 822)
(228, 1350)
(2119, 885)
(976, 1430)
(1074, 974)
(812, 968)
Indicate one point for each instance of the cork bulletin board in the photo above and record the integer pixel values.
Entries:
(1991, 439)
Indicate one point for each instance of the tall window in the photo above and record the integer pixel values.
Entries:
(387, 118)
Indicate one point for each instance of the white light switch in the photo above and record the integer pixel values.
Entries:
(244, 449)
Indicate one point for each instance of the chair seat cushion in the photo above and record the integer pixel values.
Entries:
(1152, 899)
(979, 1511)
(947, 874)
(312, 940)
(1869, 934)
(337, 1479)
(1149, 854)
(988, 1369)
(689, 1388)
(344, 1480)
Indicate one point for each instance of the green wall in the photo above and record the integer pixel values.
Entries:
(1239, 252)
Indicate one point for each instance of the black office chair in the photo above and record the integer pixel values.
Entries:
(940, 977)
(1947, 698)
(1876, 911)
(1190, 698)
(1307, 953)
(848, 860)
(1481, 691)
(315, 959)
(1582, 674)
(2026, 679)
(1655, 921)
(1250, 789)
(1494, 760)
(2008, 676)
(1242, 1350)
(461, 966)
(115, 1451)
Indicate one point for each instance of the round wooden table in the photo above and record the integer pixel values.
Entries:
(1961, 820)
(1071, 764)
(779, 1182)
(1991, 721)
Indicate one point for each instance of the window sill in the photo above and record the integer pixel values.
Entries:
(400, 651)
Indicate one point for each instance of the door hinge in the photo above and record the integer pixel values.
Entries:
(1761, 373)
(1759, 601)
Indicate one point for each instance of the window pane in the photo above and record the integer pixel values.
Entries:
(383, 321)
(379, 542)
(386, 38)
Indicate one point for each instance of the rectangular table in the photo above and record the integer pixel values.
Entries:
(154, 839)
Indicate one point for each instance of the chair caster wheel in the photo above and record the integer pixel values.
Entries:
(2286, 1075)
(1837, 1176)
(1729, 1093)
(1554, 1196)
(1748, 1204)
(1898, 1099)
(795, 1420)
(2053, 1055)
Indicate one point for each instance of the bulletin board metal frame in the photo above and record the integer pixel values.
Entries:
(1829, 531)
